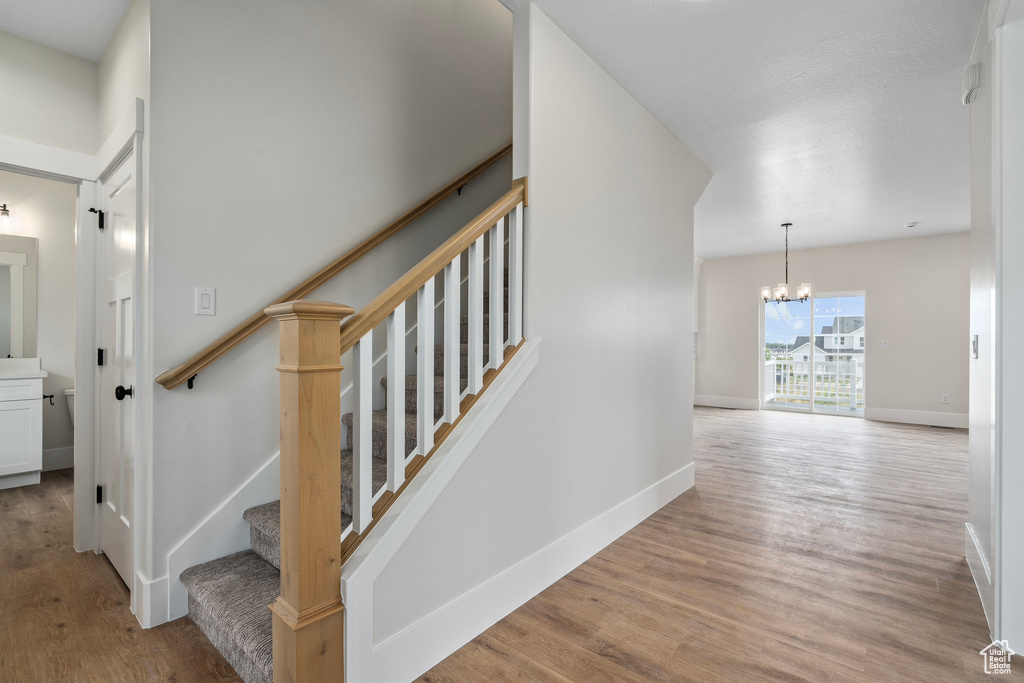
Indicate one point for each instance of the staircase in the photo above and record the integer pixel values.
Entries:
(228, 598)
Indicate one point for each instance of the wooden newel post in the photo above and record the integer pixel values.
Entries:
(309, 615)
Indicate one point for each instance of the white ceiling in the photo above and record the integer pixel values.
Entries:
(841, 117)
(79, 27)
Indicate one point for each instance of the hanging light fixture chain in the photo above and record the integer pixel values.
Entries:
(782, 291)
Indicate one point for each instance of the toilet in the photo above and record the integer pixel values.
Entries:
(69, 396)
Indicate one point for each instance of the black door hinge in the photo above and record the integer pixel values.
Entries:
(99, 357)
(98, 212)
(99, 494)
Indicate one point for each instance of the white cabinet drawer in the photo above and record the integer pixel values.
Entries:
(21, 436)
(20, 389)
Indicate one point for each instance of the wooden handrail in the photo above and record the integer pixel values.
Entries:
(375, 312)
(200, 361)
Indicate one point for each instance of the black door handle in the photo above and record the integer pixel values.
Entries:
(120, 392)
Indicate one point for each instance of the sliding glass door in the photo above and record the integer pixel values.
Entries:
(787, 380)
(814, 354)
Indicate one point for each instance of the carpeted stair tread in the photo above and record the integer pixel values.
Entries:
(379, 423)
(463, 359)
(265, 520)
(379, 433)
(410, 382)
(464, 329)
(379, 475)
(412, 397)
(228, 599)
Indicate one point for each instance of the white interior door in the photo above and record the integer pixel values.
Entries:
(117, 378)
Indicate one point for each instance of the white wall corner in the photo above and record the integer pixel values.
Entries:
(222, 532)
(917, 417)
(415, 650)
(150, 600)
(734, 402)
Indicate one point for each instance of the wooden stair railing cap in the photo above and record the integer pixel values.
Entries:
(375, 312)
(201, 360)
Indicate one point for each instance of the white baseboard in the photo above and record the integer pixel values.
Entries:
(150, 598)
(222, 532)
(917, 417)
(413, 651)
(982, 574)
(58, 458)
(12, 481)
(726, 402)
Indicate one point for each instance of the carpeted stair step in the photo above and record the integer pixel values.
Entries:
(463, 359)
(411, 395)
(487, 300)
(379, 427)
(228, 599)
(265, 520)
(464, 337)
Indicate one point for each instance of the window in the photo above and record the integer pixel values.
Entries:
(861, 342)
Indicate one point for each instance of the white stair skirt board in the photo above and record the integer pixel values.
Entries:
(223, 532)
(360, 572)
(413, 652)
(981, 571)
(917, 417)
(726, 402)
(58, 458)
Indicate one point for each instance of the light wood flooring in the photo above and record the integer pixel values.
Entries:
(65, 617)
(812, 548)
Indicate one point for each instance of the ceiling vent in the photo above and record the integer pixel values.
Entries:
(969, 83)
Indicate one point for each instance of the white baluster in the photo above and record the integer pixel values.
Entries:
(396, 398)
(515, 276)
(476, 316)
(496, 308)
(452, 338)
(425, 367)
(362, 434)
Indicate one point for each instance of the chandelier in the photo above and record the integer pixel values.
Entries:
(781, 293)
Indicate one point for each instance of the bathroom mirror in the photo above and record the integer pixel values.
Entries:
(18, 265)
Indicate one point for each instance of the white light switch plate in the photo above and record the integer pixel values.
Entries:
(885, 343)
(206, 301)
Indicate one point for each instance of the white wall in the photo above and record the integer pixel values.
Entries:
(1011, 321)
(123, 70)
(994, 543)
(45, 209)
(282, 135)
(48, 97)
(981, 521)
(607, 412)
(916, 298)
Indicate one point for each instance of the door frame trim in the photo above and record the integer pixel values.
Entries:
(130, 142)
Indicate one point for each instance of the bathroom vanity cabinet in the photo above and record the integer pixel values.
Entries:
(21, 422)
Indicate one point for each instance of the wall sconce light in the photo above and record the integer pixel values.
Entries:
(5, 215)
